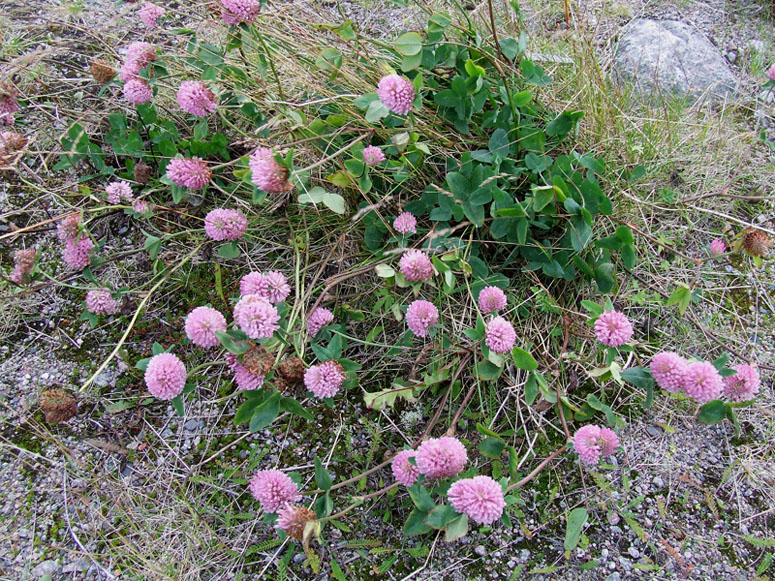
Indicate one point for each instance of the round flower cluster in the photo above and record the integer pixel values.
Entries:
(480, 498)
(142, 207)
(318, 319)
(397, 93)
(256, 316)
(441, 457)
(77, 246)
(743, 385)
(239, 11)
(272, 286)
(273, 489)
(771, 73)
(201, 325)
(499, 335)
(403, 470)
(593, 442)
(100, 302)
(324, 379)
(492, 299)
(267, 173)
(165, 376)
(138, 56)
(405, 223)
(421, 316)
(150, 13)
(293, 520)
(137, 92)
(702, 381)
(8, 106)
(669, 371)
(717, 247)
(116, 191)
(22, 264)
(192, 173)
(244, 379)
(225, 224)
(373, 155)
(194, 97)
(613, 329)
(416, 266)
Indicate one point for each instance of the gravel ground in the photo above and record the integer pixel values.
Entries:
(686, 496)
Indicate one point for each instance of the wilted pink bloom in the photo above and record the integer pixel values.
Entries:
(403, 470)
(225, 224)
(150, 13)
(137, 92)
(273, 489)
(8, 106)
(22, 264)
(138, 56)
(743, 385)
(613, 329)
(591, 442)
(68, 228)
(100, 302)
(373, 155)
(499, 335)
(416, 266)
(702, 382)
(267, 173)
(480, 497)
(669, 371)
(492, 299)
(165, 376)
(244, 379)
(441, 458)
(116, 191)
(272, 286)
(397, 93)
(239, 11)
(195, 98)
(717, 247)
(318, 319)
(141, 207)
(76, 252)
(405, 223)
(201, 325)
(421, 316)
(293, 520)
(193, 173)
(324, 379)
(256, 317)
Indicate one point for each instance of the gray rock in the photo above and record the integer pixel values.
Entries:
(480, 550)
(45, 568)
(76, 566)
(668, 56)
(192, 425)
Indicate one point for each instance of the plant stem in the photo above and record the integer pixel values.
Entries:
(537, 469)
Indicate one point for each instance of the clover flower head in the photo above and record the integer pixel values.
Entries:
(480, 498)
(441, 457)
(165, 376)
(239, 11)
(403, 470)
(416, 266)
(421, 316)
(194, 97)
(273, 285)
(405, 223)
(717, 247)
(771, 73)
(267, 173)
(318, 319)
(192, 173)
(397, 93)
(201, 325)
(499, 335)
(613, 329)
(373, 155)
(492, 299)
(116, 191)
(225, 224)
(324, 379)
(669, 370)
(8, 106)
(592, 442)
(702, 382)
(743, 385)
(256, 316)
(137, 92)
(244, 379)
(293, 520)
(150, 13)
(101, 302)
(273, 489)
(76, 252)
(22, 264)
(68, 228)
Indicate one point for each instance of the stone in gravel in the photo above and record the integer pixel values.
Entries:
(76, 566)
(653, 431)
(480, 550)
(192, 425)
(105, 378)
(668, 56)
(45, 568)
